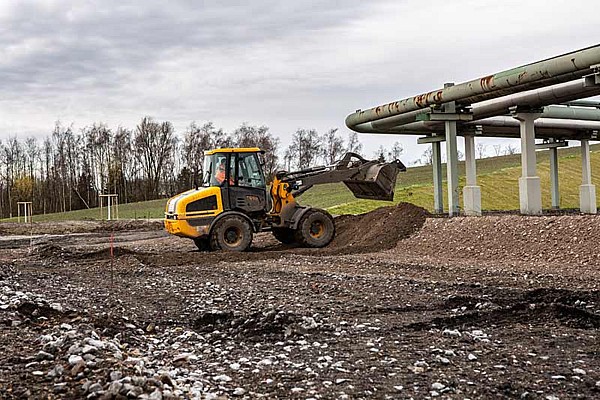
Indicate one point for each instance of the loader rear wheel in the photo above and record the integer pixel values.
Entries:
(284, 235)
(315, 229)
(232, 233)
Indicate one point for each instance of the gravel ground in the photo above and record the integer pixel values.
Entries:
(498, 306)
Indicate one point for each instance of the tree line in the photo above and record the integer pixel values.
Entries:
(67, 170)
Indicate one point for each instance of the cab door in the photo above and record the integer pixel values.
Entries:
(247, 189)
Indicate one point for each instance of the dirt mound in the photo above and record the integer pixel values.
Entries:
(50, 250)
(380, 229)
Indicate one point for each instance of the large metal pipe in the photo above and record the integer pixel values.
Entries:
(573, 113)
(557, 126)
(538, 98)
(562, 68)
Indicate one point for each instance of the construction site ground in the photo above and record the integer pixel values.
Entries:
(400, 305)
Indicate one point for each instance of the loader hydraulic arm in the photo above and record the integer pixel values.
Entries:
(365, 179)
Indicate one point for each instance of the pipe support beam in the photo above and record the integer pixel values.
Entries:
(451, 160)
(530, 189)
(471, 192)
(587, 191)
(438, 190)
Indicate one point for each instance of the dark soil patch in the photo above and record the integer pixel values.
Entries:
(380, 229)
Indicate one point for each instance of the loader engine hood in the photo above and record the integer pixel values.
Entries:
(194, 203)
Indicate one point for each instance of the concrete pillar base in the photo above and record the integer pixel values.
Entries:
(587, 199)
(472, 200)
(530, 194)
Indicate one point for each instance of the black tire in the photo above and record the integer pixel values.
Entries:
(231, 233)
(315, 229)
(284, 235)
(203, 244)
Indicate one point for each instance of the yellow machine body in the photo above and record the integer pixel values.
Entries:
(182, 220)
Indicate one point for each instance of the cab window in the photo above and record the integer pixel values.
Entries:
(249, 173)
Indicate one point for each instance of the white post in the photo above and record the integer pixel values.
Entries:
(530, 190)
(587, 191)
(471, 192)
(109, 200)
(451, 160)
(555, 193)
(438, 192)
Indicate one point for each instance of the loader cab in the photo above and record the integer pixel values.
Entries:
(239, 174)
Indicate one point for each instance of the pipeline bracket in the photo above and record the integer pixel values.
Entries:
(437, 114)
(431, 139)
(514, 110)
(593, 79)
(551, 144)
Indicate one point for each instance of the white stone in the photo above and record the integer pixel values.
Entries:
(451, 332)
(222, 378)
(75, 359)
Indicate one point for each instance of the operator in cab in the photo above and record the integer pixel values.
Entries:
(220, 173)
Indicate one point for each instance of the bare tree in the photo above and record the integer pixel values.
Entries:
(154, 143)
(259, 136)
(196, 140)
(305, 147)
(509, 150)
(123, 168)
(396, 151)
(427, 156)
(333, 146)
(380, 154)
(354, 144)
(480, 148)
(497, 150)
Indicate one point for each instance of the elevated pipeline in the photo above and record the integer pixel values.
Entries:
(563, 68)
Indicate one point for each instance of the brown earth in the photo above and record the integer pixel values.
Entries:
(400, 305)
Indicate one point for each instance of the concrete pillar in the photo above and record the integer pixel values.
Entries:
(587, 191)
(554, 192)
(530, 190)
(471, 192)
(438, 190)
(451, 160)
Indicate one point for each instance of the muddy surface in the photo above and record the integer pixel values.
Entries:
(498, 306)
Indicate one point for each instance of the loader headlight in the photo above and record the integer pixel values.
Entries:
(172, 204)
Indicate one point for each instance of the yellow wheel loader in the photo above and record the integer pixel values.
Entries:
(233, 202)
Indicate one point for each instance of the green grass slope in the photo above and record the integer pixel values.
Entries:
(497, 176)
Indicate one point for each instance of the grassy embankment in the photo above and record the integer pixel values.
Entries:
(497, 176)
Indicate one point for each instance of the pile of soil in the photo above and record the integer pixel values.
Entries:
(380, 229)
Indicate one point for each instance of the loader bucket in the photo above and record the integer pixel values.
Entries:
(378, 183)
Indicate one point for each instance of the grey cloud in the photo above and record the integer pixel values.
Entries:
(94, 41)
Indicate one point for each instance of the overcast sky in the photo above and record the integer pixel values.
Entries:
(284, 64)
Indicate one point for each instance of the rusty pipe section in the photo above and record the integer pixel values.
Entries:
(554, 70)
(535, 98)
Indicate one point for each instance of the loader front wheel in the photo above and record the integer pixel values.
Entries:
(232, 233)
(284, 235)
(315, 229)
